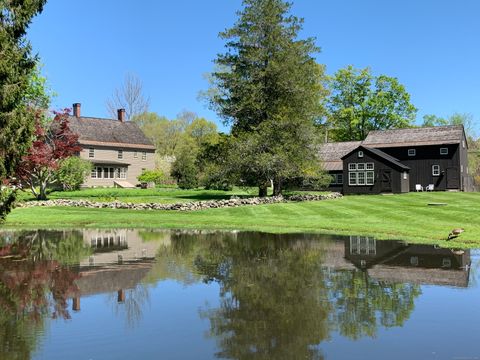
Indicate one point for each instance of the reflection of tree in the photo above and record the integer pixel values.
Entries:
(362, 303)
(33, 285)
(270, 303)
(134, 300)
(278, 301)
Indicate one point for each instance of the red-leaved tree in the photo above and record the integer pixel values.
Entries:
(53, 142)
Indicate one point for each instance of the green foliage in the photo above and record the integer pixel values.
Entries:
(16, 70)
(185, 171)
(72, 171)
(464, 119)
(360, 102)
(270, 89)
(155, 176)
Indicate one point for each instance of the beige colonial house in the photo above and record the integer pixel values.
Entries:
(118, 149)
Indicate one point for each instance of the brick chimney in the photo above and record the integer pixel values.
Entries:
(121, 115)
(76, 109)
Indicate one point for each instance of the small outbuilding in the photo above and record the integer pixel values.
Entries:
(372, 171)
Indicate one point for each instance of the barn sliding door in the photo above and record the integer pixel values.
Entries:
(453, 178)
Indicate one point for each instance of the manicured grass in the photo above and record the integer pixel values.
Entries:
(404, 217)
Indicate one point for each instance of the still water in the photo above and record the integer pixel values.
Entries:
(142, 294)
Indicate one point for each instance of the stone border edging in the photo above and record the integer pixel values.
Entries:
(186, 206)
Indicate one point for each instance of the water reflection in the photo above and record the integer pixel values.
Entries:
(281, 296)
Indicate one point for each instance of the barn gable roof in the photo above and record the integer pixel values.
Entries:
(331, 153)
(380, 154)
(436, 135)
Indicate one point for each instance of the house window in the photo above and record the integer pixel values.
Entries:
(412, 152)
(443, 151)
(117, 173)
(93, 173)
(352, 167)
(91, 153)
(135, 155)
(144, 155)
(352, 178)
(99, 172)
(360, 154)
(436, 170)
(123, 173)
(120, 154)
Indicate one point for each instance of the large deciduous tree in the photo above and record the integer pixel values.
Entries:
(16, 67)
(130, 97)
(360, 102)
(53, 142)
(268, 85)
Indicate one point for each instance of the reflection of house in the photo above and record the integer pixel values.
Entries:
(109, 244)
(397, 261)
(395, 161)
(118, 149)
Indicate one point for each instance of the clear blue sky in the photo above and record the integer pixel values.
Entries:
(87, 47)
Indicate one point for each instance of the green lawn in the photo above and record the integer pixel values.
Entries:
(405, 217)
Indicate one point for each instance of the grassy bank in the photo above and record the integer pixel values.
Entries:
(407, 217)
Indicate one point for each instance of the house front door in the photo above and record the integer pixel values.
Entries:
(386, 180)
(453, 178)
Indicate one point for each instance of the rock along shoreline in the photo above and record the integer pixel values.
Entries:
(184, 206)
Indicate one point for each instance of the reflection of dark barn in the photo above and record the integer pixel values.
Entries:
(401, 262)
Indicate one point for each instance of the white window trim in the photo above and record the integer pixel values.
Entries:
(120, 154)
(444, 151)
(144, 156)
(352, 167)
(435, 170)
(91, 153)
(369, 180)
(412, 152)
(360, 154)
(361, 174)
(350, 182)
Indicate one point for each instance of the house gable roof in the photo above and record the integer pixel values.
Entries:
(380, 154)
(107, 132)
(436, 135)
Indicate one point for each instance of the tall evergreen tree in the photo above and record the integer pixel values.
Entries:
(269, 85)
(16, 69)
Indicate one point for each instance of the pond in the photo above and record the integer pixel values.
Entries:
(147, 294)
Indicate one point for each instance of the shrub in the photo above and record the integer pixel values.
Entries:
(72, 171)
(155, 176)
(185, 171)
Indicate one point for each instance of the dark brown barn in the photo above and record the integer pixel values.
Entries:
(371, 171)
(428, 157)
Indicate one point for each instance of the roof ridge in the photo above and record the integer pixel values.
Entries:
(419, 128)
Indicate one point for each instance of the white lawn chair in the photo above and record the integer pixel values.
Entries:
(430, 187)
(418, 187)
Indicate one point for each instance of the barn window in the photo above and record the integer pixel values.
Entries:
(361, 178)
(352, 178)
(120, 154)
(135, 155)
(412, 152)
(93, 173)
(436, 170)
(360, 154)
(361, 166)
(352, 167)
(443, 151)
(144, 156)
(340, 179)
(370, 177)
(404, 175)
(91, 153)
(370, 166)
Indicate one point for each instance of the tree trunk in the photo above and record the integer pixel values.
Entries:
(43, 191)
(277, 187)
(262, 190)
